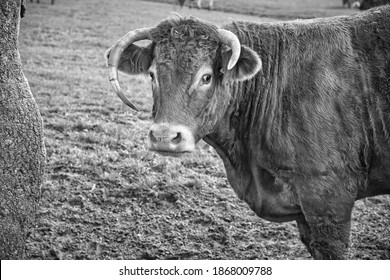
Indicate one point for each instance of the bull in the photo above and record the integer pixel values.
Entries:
(298, 111)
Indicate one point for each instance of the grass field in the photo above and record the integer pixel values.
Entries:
(107, 197)
(282, 9)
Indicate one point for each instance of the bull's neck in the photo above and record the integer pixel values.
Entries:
(244, 131)
(232, 153)
(252, 121)
(255, 106)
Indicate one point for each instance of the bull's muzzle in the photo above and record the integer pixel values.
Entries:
(170, 139)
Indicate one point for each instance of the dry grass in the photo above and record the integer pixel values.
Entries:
(105, 196)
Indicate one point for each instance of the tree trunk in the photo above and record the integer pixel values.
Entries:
(22, 152)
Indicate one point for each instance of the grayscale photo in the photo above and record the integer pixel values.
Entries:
(195, 130)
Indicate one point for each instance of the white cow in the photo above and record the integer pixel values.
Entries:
(198, 4)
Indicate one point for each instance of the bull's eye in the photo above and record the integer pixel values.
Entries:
(151, 76)
(206, 79)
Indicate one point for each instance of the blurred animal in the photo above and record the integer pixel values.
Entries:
(198, 4)
(52, 1)
(364, 4)
(298, 111)
(181, 3)
(368, 4)
(350, 3)
(22, 8)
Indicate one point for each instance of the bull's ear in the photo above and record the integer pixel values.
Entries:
(134, 59)
(247, 66)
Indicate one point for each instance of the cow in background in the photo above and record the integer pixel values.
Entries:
(364, 4)
(198, 4)
(52, 1)
(181, 3)
(368, 4)
(348, 3)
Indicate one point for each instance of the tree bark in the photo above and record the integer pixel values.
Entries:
(22, 151)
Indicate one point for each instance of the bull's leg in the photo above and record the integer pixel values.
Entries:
(325, 240)
(326, 225)
(305, 233)
(211, 4)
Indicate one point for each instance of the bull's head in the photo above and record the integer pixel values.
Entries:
(191, 65)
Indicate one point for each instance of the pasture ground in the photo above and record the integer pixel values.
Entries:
(281, 9)
(107, 197)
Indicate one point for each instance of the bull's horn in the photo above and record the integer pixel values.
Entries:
(114, 58)
(230, 39)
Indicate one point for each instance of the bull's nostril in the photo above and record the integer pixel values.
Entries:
(177, 139)
(163, 137)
